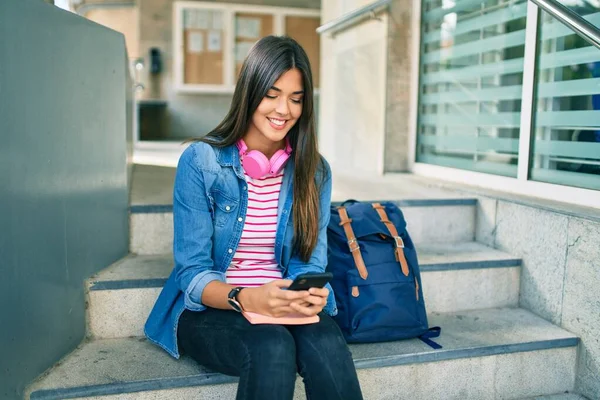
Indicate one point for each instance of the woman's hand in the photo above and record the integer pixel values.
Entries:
(313, 304)
(270, 299)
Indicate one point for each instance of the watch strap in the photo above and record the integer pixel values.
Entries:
(233, 300)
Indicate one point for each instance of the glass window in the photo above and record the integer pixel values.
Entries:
(212, 39)
(248, 29)
(470, 84)
(203, 54)
(566, 130)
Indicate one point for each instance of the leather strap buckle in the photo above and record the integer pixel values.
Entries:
(346, 223)
(353, 245)
(400, 257)
(399, 242)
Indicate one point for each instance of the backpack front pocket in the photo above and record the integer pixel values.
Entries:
(385, 300)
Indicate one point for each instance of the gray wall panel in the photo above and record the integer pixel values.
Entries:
(63, 179)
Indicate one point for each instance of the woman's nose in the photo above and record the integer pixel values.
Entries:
(282, 107)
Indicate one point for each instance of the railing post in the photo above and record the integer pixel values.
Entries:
(528, 91)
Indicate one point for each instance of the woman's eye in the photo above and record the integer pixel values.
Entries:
(270, 97)
(297, 101)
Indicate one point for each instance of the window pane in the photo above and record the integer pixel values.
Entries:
(566, 149)
(470, 84)
(249, 28)
(203, 46)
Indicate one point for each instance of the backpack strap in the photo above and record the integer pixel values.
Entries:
(429, 334)
(400, 257)
(346, 223)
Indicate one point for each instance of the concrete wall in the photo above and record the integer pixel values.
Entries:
(352, 116)
(188, 114)
(63, 179)
(560, 276)
(402, 49)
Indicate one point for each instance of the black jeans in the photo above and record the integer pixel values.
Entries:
(267, 357)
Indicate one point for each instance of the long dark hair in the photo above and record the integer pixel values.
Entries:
(268, 59)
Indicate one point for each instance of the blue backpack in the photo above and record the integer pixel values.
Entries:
(376, 277)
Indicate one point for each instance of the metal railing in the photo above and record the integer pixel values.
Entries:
(369, 11)
(582, 27)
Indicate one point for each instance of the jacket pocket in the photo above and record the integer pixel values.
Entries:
(226, 207)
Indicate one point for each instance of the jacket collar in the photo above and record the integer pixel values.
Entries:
(229, 156)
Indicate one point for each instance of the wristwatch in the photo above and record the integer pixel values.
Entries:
(233, 300)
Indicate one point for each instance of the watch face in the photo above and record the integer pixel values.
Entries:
(235, 305)
(232, 299)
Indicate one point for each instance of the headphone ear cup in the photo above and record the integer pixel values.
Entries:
(278, 161)
(256, 164)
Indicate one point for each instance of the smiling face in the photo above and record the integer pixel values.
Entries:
(276, 114)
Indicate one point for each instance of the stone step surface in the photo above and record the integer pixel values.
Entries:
(433, 214)
(560, 396)
(506, 353)
(455, 277)
(449, 220)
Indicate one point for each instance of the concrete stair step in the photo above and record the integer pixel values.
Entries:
(506, 353)
(455, 277)
(450, 220)
(559, 396)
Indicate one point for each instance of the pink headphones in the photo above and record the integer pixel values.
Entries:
(256, 163)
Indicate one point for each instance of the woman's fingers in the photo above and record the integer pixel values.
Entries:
(274, 303)
(303, 303)
(290, 295)
(279, 301)
(282, 283)
(309, 311)
(321, 292)
(308, 306)
(312, 301)
(279, 292)
(283, 311)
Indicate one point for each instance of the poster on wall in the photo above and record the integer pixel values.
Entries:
(214, 41)
(195, 43)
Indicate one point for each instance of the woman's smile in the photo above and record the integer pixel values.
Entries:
(277, 123)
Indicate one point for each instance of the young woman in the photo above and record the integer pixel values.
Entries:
(251, 208)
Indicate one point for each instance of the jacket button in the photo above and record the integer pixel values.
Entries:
(230, 251)
(240, 219)
(227, 208)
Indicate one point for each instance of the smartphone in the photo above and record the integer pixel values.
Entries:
(306, 281)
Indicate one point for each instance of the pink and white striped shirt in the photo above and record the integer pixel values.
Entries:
(254, 261)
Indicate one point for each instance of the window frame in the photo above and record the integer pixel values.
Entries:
(229, 11)
(522, 184)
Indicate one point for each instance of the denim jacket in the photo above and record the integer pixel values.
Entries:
(210, 201)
